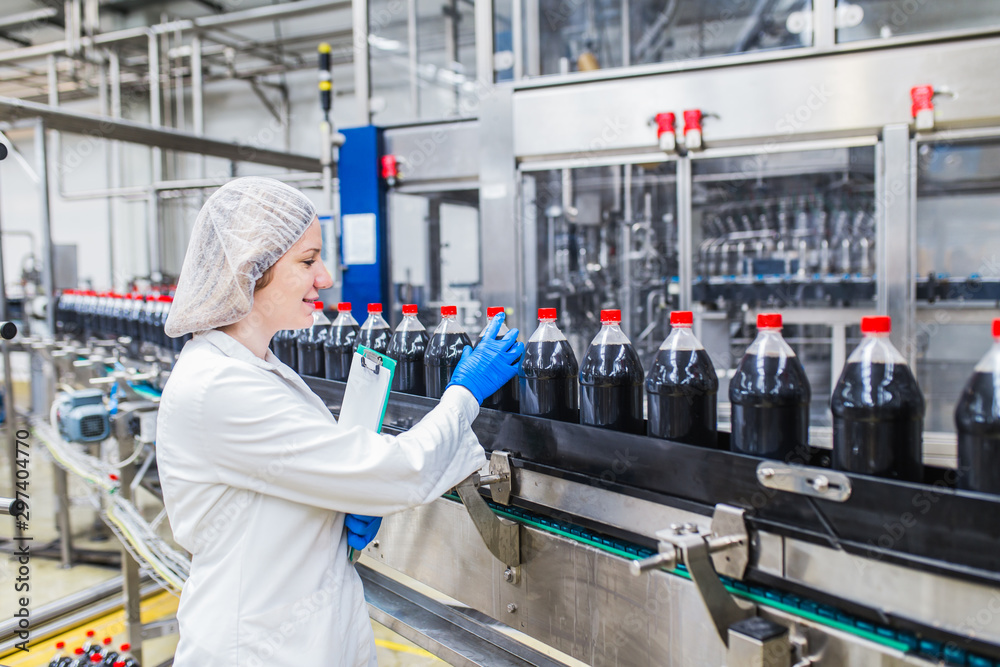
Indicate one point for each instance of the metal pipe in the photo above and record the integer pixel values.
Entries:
(8, 399)
(362, 73)
(115, 159)
(156, 155)
(411, 34)
(685, 235)
(626, 34)
(181, 184)
(48, 276)
(625, 252)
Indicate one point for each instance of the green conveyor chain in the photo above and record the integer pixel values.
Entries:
(770, 597)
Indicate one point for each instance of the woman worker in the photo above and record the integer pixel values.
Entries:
(257, 476)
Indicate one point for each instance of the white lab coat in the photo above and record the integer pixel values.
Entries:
(256, 479)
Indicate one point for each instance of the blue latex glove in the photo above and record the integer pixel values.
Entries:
(361, 529)
(491, 364)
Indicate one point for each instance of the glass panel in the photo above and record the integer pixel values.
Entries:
(792, 233)
(561, 36)
(606, 237)
(423, 67)
(434, 240)
(884, 19)
(958, 257)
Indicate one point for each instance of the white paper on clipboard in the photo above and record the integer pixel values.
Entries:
(367, 393)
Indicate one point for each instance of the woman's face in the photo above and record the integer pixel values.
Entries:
(287, 301)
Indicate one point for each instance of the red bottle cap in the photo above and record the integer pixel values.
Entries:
(78, 651)
(546, 313)
(449, 311)
(611, 316)
(107, 641)
(681, 318)
(374, 307)
(493, 310)
(126, 647)
(95, 658)
(60, 645)
(769, 321)
(90, 633)
(876, 325)
(120, 663)
(345, 306)
(410, 309)
(996, 328)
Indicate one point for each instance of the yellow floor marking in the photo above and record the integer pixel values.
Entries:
(402, 648)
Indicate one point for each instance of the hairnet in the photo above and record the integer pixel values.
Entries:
(241, 231)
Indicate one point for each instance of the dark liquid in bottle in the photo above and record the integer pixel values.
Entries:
(443, 353)
(773, 423)
(407, 348)
(611, 388)
(682, 396)
(504, 398)
(549, 381)
(375, 339)
(878, 419)
(338, 351)
(285, 348)
(310, 351)
(977, 417)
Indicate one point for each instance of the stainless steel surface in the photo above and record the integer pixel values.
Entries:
(830, 95)
(816, 482)
(500, 468)
(362, 55)
(575, 598)
(749, 651)
(436, 152)
(501, 536)
(896, 292)
(484, 44)
(129, 131)
(131, 580)
(443, 630)
(48, 254)
(501, 275)
(729, 543)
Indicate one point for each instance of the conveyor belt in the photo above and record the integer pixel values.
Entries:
(801, 607)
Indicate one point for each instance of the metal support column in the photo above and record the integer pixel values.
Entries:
(131, 580)
(895, 238)
(824, 24)
(484, 43)
(685, 233)
(156, 156)
(8, 382)
(362, 72)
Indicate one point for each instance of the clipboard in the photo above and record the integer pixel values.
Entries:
(367, 394)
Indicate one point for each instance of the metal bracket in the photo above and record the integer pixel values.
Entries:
(499, 480)
(501, 536)
(816, 482)
(725, 551)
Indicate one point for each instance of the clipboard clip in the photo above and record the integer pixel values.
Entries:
(374, 359)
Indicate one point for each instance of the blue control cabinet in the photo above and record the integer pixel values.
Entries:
(364, 242)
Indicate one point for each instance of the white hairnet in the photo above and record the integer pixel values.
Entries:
(241, 231)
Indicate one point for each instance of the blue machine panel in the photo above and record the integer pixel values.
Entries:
(364, 246)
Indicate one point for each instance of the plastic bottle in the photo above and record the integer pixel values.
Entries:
(682, 388)
(770, 396)
(340, 343)
(549, 376)
(90, 645)
(80, 657)
(109, 653)
(977, 420)
(60, 655)
(878, 410)
(125, 658)
(504, 398)
(611, 379)
(375, 332)
(309, 346)
(285, 344)
(407, 347)
(444, 349)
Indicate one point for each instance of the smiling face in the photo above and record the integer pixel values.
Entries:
(287, 301)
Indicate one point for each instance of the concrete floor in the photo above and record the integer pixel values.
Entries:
(50, 582)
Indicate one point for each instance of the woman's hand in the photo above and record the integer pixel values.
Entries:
(491, 364)
(361, 529)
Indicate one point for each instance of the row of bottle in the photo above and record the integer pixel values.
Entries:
(877, 406)
(93, 653)
(105, 315)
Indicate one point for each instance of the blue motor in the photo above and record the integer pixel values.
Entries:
(82, 416)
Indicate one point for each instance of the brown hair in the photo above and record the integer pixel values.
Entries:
(265, 279)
